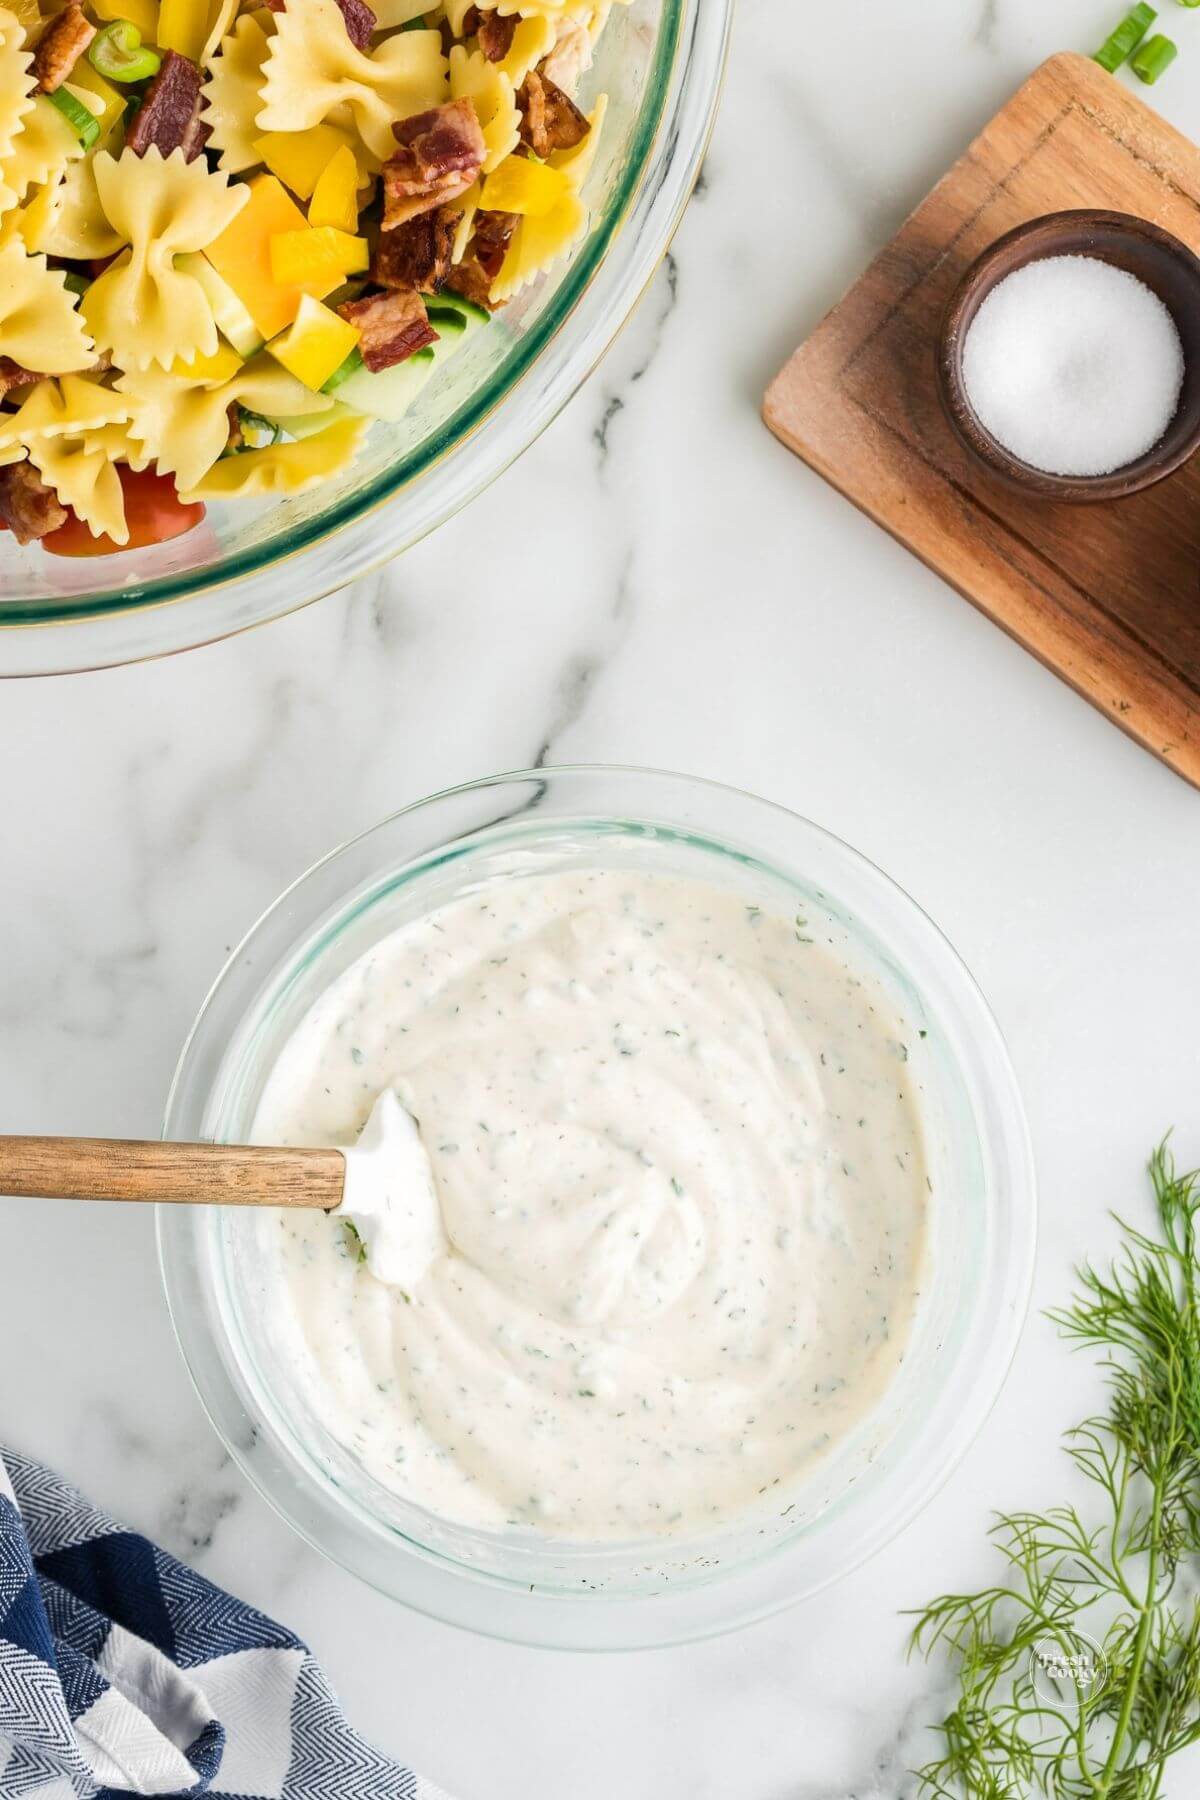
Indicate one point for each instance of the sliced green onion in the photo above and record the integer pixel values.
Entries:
(1126, 38)
(76, 283)
(1154, 58)
(83, 123)
(118, 53)
(343, 372)
(258, 433)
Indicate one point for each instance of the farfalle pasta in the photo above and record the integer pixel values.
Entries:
(41, 150)
(16, 94)
(221, 21)
(233, 94)
(290, 468)
(225, 254)
(576, 163)
(538, 241)
(142, 309)
(532, 41)
(40, 326)
(314, 71)
(82, 472)
(180, 420)
(71, 406)
(491, 93)
(67, 220)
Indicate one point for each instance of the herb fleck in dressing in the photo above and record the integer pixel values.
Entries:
(679, 1162)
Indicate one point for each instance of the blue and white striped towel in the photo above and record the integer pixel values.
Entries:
(124, 1673)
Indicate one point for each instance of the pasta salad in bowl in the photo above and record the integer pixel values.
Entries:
(271, 272)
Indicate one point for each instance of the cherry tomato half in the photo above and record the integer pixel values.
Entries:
(153, 511)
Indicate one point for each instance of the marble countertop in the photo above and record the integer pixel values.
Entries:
(723, 613)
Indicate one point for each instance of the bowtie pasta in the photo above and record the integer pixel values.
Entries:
(233, 234)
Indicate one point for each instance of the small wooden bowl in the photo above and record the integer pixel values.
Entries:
(1166, 266)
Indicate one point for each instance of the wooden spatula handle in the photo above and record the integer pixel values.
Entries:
(216, 1174)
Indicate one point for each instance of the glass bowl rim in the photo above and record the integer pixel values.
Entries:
(651, 1620)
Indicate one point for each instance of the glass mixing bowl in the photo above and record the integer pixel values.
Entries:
(514, 1583)
(660, 62)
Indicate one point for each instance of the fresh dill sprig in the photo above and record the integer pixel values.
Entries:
(1079, 1672)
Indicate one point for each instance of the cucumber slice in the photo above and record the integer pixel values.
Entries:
(233, 321)
(446, 322)
(344, 370)
(389, 394)
(83, 123)
(467, 308)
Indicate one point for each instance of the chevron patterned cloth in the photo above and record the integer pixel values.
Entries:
(124, 1673)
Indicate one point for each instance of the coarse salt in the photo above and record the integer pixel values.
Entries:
(1074, 366)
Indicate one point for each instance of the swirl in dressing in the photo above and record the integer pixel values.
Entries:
(672, 1245)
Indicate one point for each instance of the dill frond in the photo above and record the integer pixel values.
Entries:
(1079, 1672)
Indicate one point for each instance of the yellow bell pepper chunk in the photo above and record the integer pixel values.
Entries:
(242, 256)
(220, 366)
(522, 186)
(183, 26)
(335, 197)
(89, 86)
(299, 257)
(315, 344)
(142, 13)
(300, 157)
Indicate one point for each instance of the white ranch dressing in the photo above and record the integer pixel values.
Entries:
(663, 1209)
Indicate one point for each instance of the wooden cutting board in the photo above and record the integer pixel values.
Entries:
(1107, 596)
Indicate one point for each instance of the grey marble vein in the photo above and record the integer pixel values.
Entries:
(651, 330)
(578, 680)
(989, 21)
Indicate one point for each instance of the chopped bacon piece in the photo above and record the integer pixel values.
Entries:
(14, 375)
(63, 43)
(496, 35)
(169, 116)
(550, 119)
(493, 233)
(360, 20)
(470, 279)
(393, 327)
(440, 154)
(28, 507)
(417, 254)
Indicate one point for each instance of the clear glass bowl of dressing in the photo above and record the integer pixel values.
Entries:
(518, 1584)
(661, 63)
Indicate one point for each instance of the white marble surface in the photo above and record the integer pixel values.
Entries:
(726, 615)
